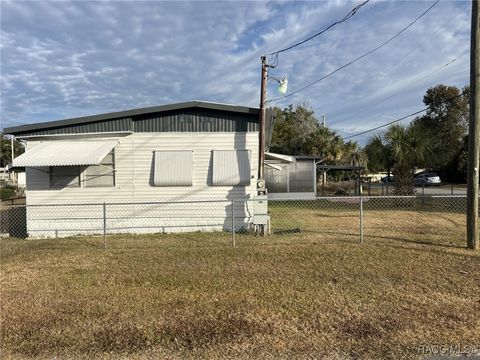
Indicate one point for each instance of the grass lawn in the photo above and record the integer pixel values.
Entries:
(194, 296)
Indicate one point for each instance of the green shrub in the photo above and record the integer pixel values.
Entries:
(6, 193)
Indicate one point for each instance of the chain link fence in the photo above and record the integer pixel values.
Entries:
(437, 220)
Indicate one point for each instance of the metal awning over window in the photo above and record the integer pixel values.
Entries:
(66, 153)
(173, 168)
(284, 159)
(231, 167)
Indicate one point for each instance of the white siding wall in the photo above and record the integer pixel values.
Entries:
(134, 163)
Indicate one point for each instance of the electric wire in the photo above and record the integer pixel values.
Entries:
(359, 110)
(345, 18)
(402, 118)
(418, 47)
(357, 58)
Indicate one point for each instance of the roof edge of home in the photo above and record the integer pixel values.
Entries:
(126, 113)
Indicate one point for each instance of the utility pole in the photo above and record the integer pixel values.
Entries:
(261, 135)
(473, 133)
(11, 144)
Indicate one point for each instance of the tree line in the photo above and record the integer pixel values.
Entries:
(436, 141)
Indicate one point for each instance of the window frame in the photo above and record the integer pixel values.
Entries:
(51, 175)
(110, 166)
(82, 174)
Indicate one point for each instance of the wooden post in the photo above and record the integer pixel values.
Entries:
(473, 133)
(13, 147)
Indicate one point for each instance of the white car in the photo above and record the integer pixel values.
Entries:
(427, 179)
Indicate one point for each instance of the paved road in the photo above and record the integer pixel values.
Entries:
(428, 190)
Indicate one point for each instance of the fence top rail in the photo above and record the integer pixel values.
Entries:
(440, 196)
(446, 196)
(240, 200)
(139, 203)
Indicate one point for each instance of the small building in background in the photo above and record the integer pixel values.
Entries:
(13, 176)
(291, 176)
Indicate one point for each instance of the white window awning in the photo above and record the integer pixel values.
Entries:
(66, 153)
(280, 157)
(273, 166)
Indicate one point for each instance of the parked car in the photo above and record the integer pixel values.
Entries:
(387, 179)
(427, 179)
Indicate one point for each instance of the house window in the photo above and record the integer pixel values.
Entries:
(231, 167)
(64, 176)
(173, 168)
(102, 175)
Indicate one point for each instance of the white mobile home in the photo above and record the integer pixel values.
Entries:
(149, 163)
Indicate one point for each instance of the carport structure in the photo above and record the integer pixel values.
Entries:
(354, 168)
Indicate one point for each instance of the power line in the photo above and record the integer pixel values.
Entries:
(348, 16)
(417, 48)
(402, 118)
(358, 58)
(365, 109)
(389, 123)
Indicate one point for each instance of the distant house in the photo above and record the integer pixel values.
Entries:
(14, 176)
(164, 156)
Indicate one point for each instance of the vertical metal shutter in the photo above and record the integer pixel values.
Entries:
(231, 167)
(173, 168)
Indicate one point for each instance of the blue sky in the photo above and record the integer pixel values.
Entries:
(75, 58)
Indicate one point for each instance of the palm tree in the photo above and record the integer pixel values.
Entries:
(400, 150)
(379, 154)
(410, 147)
(353, 154)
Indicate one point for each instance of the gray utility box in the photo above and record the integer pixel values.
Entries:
(260, 210)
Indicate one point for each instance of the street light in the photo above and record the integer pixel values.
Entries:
(282, 84)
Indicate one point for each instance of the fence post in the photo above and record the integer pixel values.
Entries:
(361, 219)
(105, 225)
(423, 189)
(452, 188)
(233, 223)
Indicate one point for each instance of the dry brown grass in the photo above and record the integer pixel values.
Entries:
(313, 294)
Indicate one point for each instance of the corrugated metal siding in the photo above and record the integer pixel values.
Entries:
(173, 168)
(298, 177)
(196, 121)
(231, 167)
(301, 175)
(179, 121)
(124, 124)
(277, 180)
